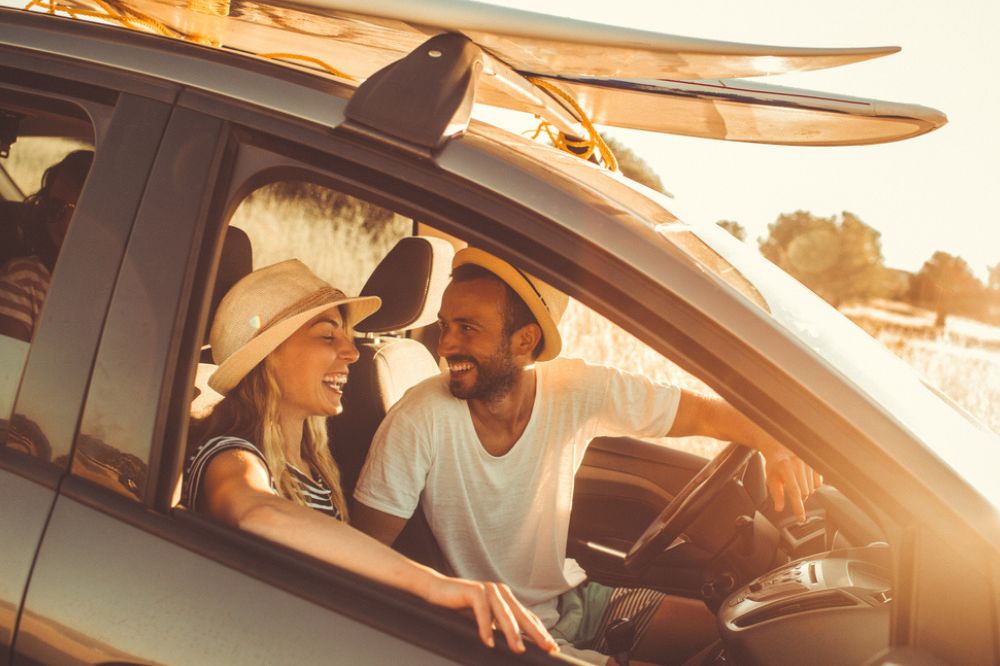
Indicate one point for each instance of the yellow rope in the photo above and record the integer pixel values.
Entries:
(131, 19)
(315, 61)
(128, 18)
(559, 140)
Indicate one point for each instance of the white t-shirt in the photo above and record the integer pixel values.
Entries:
(506, 518)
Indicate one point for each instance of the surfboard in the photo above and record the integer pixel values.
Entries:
(749, 111)
(387, 29)
(620, 76)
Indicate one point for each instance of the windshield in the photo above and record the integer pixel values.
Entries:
(941, 425)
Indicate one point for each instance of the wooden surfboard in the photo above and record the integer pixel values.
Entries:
(621, 77)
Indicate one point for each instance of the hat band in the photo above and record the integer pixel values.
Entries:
(533, 287)
(318, 297)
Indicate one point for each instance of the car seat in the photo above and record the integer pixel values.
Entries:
(410, 281)
(235, 261)
(13, 215)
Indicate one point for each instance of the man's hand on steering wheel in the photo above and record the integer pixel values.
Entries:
(787, 476)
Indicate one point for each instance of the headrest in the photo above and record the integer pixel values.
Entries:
(235, 262)
(410, 281)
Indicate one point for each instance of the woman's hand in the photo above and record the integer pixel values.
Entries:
(493, 604)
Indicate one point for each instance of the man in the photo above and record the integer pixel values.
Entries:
(490, 450)
(24, 283)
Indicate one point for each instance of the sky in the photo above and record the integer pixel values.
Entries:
(930, 193)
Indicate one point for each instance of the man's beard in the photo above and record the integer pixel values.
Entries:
(495, 376)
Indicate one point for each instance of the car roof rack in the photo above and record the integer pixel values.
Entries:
(423, 99)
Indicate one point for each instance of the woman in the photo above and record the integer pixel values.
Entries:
(35, 242)
(282, 341)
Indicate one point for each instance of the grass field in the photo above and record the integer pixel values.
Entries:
(962, 359)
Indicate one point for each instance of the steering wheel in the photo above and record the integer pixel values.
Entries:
(686, 505)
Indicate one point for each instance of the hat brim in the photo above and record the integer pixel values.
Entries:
(231, 371)
(519, 282)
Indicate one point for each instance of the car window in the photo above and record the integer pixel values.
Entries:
(588, 335)
(340, 237)
(46, 156)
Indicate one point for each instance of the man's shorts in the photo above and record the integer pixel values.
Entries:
(586, 611)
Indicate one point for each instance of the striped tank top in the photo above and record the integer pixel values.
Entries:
(314, 492)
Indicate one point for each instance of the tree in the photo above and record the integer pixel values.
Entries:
(946, 283)
(994, 279)
(633, 166)
(839, 260)
(735, 228)
(992, 301)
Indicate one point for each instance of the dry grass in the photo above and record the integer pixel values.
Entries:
(590, 336)
(339, 250)
(962, 359)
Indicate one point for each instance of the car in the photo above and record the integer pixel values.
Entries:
(898, 561)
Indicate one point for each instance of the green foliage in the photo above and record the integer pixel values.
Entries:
(633, 166)
(840, 260)
(735, 228)
(947, 284)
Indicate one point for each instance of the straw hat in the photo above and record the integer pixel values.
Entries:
(545, 301)
(264, 308)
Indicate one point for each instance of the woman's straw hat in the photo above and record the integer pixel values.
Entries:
(264, 308)
(545, 301)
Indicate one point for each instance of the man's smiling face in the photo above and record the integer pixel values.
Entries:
(473, 340)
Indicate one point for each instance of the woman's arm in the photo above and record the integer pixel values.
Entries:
(236, 490)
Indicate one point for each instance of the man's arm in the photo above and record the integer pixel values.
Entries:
(787, 475)
(377, 524)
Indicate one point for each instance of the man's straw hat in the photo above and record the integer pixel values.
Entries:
(545, 301)
(264, 308)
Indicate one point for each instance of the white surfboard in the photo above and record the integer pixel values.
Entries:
(384, 30)
(545, 44)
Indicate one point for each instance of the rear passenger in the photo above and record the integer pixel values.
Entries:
(24, 281)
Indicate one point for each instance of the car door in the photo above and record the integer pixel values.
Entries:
(44, 382)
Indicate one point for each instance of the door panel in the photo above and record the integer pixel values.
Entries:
(104, 590)
(57, 369)
(24, 506)
(620, 488)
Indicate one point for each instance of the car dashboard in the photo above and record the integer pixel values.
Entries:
(830, 608)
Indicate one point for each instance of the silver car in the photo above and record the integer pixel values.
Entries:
(897, 563)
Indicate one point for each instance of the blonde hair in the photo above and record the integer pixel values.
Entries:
(250, 411)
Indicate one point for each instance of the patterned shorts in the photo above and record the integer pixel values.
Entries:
(586, 611)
